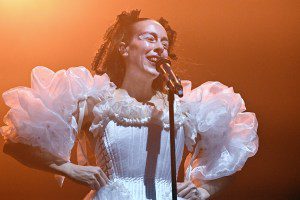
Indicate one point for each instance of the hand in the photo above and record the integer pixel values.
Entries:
(90, 176)
(188, 190)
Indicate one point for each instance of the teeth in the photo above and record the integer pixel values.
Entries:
(153, 59)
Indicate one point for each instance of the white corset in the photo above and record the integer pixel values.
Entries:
(136, 152)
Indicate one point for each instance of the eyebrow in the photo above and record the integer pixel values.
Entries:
(155, 35)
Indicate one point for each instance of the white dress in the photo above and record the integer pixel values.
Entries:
(131, 138)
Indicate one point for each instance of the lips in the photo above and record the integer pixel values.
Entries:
(153, 59)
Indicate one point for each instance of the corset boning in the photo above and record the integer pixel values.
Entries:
(140, 158)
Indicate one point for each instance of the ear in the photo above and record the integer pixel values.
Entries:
(123, 49)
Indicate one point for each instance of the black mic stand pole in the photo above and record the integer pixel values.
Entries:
(175, 87)
(172, 143)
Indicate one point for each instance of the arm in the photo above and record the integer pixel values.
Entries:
(41, 159)
(37, 158)
(215, 186)
(32, 112)
(207, 189)
(32, 157)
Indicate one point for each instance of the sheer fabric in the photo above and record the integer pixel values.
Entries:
(132, 139)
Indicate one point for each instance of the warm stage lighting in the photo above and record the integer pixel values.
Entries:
(16, 7)
(19, 4)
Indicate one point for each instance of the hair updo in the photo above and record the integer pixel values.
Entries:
(108, 59)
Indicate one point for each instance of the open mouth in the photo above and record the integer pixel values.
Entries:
(153, 59)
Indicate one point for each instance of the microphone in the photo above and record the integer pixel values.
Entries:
(163, 66)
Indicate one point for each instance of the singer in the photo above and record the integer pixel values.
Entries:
(118, 121)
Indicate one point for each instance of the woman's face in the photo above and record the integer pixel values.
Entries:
(149, 41)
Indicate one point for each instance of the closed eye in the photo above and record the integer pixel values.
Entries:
(165, 44)
(147, 36)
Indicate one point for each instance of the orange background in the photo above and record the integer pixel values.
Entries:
(252, 45)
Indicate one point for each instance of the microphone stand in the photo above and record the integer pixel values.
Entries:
(174, 84)
(172, 143)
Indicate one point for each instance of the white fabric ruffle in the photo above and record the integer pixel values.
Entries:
(127, 111)
(228, 134)
(43, 114)
(122, 189)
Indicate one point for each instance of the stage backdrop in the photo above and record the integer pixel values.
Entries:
(252, 45)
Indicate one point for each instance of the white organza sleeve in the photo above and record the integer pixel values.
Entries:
(228, 134)
(42, 115)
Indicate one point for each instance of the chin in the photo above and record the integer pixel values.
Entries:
(153, 72)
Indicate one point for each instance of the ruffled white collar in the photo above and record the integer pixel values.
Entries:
(126, 110)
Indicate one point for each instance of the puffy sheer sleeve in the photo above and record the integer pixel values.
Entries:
(227, 132)
(43, 115)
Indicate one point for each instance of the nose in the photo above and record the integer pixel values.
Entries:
(159, 48)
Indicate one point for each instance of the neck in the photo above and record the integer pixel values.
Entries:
(138, 87)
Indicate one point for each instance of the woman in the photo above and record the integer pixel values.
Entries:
(122, 119)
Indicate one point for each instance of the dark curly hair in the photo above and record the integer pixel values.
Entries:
(109, 60)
